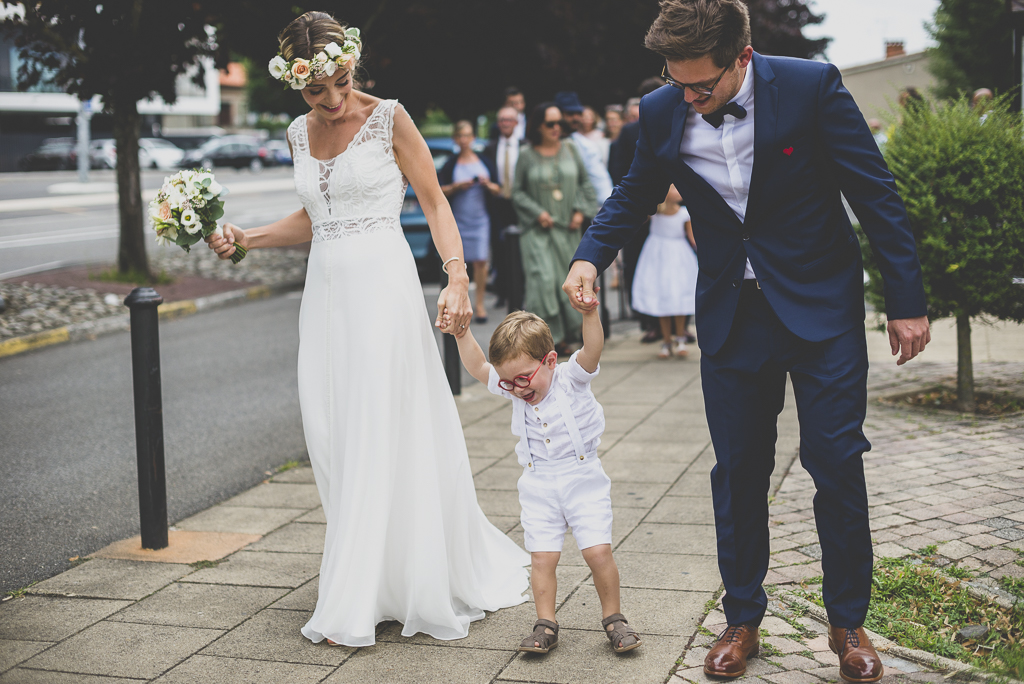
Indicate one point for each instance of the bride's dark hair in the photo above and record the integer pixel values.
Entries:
(309, 34)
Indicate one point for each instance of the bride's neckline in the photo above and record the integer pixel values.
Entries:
(309, 147)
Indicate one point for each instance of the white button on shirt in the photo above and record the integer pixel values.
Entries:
(546, 432)
(724, 156)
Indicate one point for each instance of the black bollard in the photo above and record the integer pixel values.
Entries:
(515, 272)
(452, 362)
(149, 421)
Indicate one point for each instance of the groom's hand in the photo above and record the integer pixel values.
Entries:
(909, 336)
(579, 286)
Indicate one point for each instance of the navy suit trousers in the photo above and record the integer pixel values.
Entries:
(744, 387)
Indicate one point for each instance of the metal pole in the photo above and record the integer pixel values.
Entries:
(83, 121)
(515, 275)
(452, 362)
(606, 322)
(149, 422)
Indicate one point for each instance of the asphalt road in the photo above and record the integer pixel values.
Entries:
(68, 476)
(62, 230)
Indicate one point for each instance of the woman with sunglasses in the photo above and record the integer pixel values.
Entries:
(552, 194)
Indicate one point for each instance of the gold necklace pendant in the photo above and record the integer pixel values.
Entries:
(557, 194)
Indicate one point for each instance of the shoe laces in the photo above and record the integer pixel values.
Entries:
(731, 634)
(852, 639)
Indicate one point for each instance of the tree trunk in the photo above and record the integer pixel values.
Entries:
(964, 365)
(131, 250)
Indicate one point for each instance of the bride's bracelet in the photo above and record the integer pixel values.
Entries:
(444, 266)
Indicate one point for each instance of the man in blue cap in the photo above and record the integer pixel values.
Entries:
(572, 115)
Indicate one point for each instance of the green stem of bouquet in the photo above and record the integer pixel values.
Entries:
(239, 253)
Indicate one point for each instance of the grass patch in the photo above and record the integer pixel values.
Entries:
(19, 593)
(988, 403)
(1013, 585)
(112, 275)
(288, 466)
(203, 564)
(916, 606)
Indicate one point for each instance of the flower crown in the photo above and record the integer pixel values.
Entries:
(299, 72)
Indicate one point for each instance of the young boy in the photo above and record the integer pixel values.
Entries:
(559, 425)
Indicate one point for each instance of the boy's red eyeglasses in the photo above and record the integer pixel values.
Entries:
(521, 381)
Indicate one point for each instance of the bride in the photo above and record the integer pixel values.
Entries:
(405, 537)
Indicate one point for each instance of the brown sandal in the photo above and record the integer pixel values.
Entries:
(621, 634)
(539, 636)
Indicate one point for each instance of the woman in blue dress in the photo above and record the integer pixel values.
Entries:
(465, 180)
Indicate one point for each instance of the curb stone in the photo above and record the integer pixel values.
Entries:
(954, 668)
(90, 330)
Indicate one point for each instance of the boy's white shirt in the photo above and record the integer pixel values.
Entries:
(547, 434)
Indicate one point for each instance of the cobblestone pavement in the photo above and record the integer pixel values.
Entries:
(933, 478)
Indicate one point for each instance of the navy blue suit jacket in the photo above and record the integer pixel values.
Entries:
(810, 143)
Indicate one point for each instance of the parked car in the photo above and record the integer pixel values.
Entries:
(239, 151)
(52, 154)
(154, 153)
(279, 151)
(414, 222)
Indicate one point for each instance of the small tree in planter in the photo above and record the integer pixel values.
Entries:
(961, 176)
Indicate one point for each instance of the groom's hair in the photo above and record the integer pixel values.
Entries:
(691, 29)
(520, 333)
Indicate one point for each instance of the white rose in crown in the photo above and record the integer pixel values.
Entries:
(278, 67)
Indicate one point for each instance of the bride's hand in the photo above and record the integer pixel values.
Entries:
(224, 245)
(454, 310)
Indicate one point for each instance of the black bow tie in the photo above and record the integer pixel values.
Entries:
(716, 117)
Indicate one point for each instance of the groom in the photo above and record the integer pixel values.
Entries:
(761, 148)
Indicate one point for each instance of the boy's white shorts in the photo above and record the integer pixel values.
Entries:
(562, 494)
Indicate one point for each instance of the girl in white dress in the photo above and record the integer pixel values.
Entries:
(405, 538)
(665, 283)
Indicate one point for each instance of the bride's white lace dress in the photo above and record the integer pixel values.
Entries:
(405, 538)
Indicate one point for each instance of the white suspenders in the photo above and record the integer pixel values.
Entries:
(570, 424)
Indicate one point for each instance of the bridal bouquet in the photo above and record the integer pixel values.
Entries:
(187, 208)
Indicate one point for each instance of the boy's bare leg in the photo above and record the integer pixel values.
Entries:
(606, 578)
(545, 584)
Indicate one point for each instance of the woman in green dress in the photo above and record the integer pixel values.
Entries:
(552, 196)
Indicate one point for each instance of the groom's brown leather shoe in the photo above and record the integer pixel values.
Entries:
(728, 657)
(858, 660)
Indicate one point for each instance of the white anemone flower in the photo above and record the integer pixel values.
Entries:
(190, 221)
(278, 67)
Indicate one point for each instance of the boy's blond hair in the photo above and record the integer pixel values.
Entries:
(520, 333)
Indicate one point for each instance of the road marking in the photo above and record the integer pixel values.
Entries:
(32, 269)
(56, 238)
(29, 342)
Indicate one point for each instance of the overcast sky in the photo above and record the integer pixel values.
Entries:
(859, 28)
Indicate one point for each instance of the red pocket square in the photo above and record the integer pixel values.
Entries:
(788, 151)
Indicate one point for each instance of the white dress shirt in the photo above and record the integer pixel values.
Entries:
(510, 147)
(597, 172)
(724, 156)
(546, 432)
(520, 132)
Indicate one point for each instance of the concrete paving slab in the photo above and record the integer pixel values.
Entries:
(634, 470)
(274, 635)
(684, 453)
(624, 521)
(304, 598)
(421, 664)
(300, 475)
(113, 579)
(586, 657)
(293, 538)
(491, 447)
(498, 478)
(570, 552)
(184, 546)
(499, 631)
(23, 676)
(208, 606)
(314, 516)
(480, 463)
(202, 669)
(51, 618)
(695, 482)
(636, 494)
(499, 502)
(569, 577)
(278, 495)
(667, 538)
(261, 569)
(668, 571)
(505, 523)
(241, 519)
(694, 510)
(14, 652)
(649, 611)
(118, 649)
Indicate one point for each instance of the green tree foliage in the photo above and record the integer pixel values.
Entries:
(776, 28)
(961, 178)
(974, 47)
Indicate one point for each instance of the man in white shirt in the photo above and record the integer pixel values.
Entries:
(572, 116)
(504, 152)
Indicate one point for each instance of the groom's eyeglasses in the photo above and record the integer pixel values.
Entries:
(521, 381)
(703, 91)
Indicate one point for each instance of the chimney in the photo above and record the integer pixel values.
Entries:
(894, 48)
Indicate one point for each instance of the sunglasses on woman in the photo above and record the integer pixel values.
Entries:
(552, 124)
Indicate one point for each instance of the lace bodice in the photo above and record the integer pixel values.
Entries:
(359, 191)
